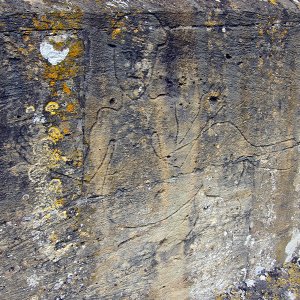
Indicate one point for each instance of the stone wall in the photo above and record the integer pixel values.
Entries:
(149, 150)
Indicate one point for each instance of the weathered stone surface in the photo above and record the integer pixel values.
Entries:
(149, 150)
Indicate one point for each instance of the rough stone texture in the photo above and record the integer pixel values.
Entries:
(149, 149)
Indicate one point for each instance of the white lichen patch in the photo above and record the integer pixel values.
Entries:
(29, 109)
(250, 282)
(249, 241)
(33, 280)
(53, 56)
(117, 3)
(292, 245)
(290, 295)
(38, 119)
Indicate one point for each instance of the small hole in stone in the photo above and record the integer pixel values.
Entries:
(112, 101)
(228, 56)
(213, 99)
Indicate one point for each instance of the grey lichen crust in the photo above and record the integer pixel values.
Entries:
(149, 149)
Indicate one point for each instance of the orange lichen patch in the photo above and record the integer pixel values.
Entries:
(60, 72)
(26, 38)
(23, 51)
(54, 134)
(117, 28)
(76, 49)
(66, 131)
(66, 89)
(52, 107)
(274, 2)
(70, 108)
(65, 127)
(59, 20)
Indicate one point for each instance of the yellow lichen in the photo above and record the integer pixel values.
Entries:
(54, 134)
(274, 2)
(55, 185)
(61, 71)
(59, 79)
(53, 237)
(77, 158)
(54, 158)
(116, 32)
(58, 21)
(59, 203)
(64, 214)
(47, 217)
(76, 49)
(212, 23)
(52, 107)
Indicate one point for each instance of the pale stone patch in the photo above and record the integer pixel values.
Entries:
(290, 295)
(34, 2)
(292, 245)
